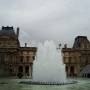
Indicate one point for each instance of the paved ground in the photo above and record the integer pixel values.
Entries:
(12, 84)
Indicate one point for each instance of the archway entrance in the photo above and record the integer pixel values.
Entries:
(20, 69)
(72, 70)
(27, 70)
(67, 70)
(88, 75)
(20, 72)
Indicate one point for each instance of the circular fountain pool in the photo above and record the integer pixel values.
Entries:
(47, 83)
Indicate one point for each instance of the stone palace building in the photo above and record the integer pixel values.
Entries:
(77, 58)
(17, 61)
(14, 59)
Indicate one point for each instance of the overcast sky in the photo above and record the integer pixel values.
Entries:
(39, 20)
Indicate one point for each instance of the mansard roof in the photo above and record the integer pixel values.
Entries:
(8, 31)
(81, 42)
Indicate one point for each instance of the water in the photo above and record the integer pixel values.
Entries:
(48, 66)
(84, 84)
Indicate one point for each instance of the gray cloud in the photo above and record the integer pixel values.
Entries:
(60, 20)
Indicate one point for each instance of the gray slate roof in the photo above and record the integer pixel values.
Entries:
(8, 31)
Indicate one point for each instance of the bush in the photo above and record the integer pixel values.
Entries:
(20, 75)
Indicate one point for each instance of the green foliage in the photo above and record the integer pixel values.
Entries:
(20, 75)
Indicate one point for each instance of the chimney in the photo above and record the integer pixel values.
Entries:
(65, 45)
(25, 44)
(17, 32)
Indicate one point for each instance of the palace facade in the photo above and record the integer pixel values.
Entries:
(77, 58)
(14, 59)
(18, 61)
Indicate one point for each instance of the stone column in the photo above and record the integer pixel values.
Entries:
(24, 70)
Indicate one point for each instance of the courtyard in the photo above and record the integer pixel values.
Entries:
(13, 84)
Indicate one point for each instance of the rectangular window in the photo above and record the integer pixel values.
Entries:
(21, 59)
(27, 58)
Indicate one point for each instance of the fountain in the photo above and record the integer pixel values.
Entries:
(48, 68)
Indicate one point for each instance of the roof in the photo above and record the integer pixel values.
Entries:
(28, 49)
(86, 70)
(8, 31)
(81, 42)
(81, 37)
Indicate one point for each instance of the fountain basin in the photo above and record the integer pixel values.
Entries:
(47, 83)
